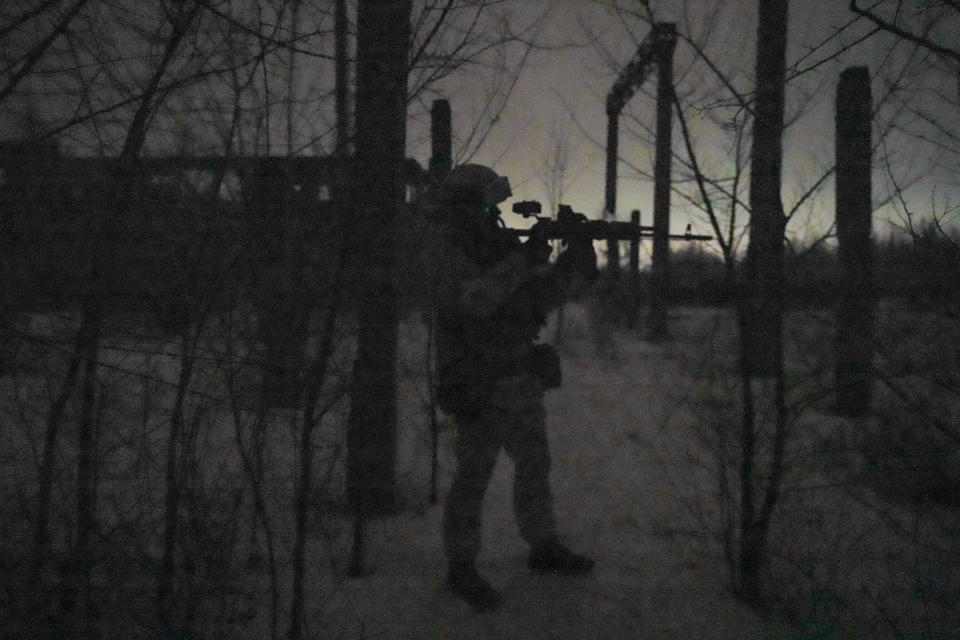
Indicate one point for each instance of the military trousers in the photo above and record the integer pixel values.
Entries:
(512, 419)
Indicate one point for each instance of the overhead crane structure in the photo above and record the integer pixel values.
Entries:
(656, 50)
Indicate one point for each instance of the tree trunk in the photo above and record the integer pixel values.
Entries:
(41, 539)
(318, 371)
(314, 383)
(171, 519)
(761, 313)
(383, 31)
(764, 264)
(86, 462)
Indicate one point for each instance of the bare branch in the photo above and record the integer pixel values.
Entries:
(34, 56)
(415, 58)
(707, 201)
(259, 34)
(891, 27)
(28, 15)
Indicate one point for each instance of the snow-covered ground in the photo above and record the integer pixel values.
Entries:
(633, 432)
(615, 500)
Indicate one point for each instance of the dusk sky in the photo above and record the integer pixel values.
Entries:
(579, 47)
(560, 96)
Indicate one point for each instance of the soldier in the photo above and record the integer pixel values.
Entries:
(494, 297)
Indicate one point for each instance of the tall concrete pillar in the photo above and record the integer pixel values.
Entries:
(666, 39)
(634, 276)
(441, 139)
(856, 287)
(610, 191)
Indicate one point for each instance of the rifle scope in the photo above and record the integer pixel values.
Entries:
(527, 208)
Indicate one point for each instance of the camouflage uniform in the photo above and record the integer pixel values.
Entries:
(492, 379)
(512, 418)
(493, 296)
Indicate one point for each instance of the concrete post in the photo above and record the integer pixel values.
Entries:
(610, 192)
(634, 269)
(855, 304)
(441, 140)
(666, 39)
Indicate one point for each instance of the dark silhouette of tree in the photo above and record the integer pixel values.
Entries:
(763, 270)
(761, 316)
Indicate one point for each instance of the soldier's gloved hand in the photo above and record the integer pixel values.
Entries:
(537, 247)
(545, 364)
(579, 258)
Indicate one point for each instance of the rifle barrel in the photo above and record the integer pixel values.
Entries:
(613, 230)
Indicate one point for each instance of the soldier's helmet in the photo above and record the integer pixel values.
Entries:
(476, 184)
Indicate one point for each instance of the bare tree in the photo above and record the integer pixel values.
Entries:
(481, 42)
(719, 112)
(922, 76)
(167, 72)
(553, 175)
(20, 69)
(559, 163)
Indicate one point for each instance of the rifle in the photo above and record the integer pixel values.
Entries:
(570, 225)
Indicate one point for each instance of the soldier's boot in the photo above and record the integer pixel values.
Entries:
(464, 581)
(550, 555)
